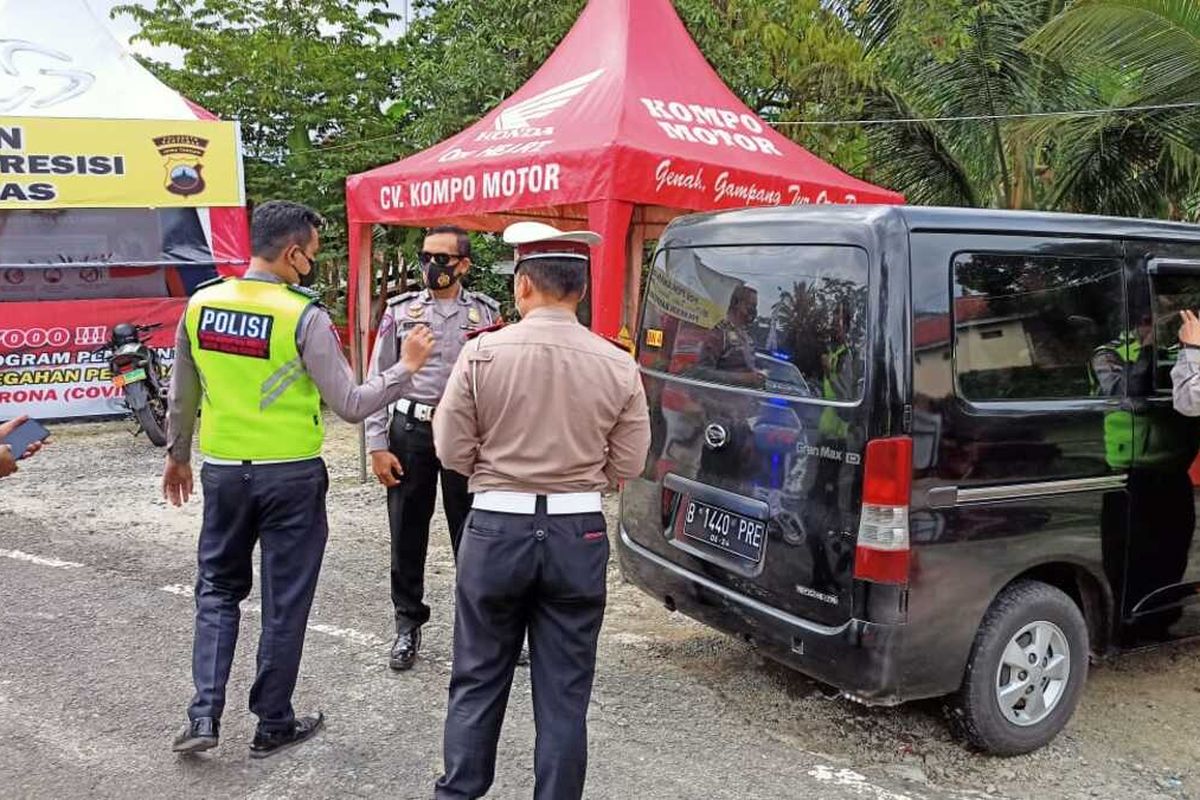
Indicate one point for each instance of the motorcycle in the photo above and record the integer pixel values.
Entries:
(138, 373)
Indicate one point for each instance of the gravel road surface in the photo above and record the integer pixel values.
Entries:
(95, 635)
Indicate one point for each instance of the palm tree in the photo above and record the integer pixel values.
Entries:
(970, 62)
(1139, 53)
(987, 61)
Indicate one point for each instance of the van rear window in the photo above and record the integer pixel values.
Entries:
(789, 320)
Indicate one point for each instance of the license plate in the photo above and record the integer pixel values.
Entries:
(737, 535)
(133, 376)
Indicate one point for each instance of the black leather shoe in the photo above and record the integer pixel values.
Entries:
(404, 649)
(270, 743)
(198, 735)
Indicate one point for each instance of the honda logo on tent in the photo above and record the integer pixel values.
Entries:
(48, 87)
(521, 116)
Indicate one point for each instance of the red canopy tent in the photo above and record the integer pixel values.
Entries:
(625, 127)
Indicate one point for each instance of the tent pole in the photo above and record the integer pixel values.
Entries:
(633, 292)
(610, 219)
(358, 308)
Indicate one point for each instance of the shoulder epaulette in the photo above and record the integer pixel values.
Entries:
(308, 294)
(615, 342)
(400, 298)
(217, 281)
(480, 331)
(490, 302)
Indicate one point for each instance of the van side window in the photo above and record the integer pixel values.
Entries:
(1033, 327)
(1171, 293)
(786, 319)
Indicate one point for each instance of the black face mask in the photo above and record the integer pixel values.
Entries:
(438, 269)
(309, 278)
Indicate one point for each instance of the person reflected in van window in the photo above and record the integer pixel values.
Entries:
(1154, 452)
(840, 374)
(839, 362)
(1127, 358)
(727, 354)
(1185, 375)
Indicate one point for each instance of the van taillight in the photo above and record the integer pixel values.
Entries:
(883, 550)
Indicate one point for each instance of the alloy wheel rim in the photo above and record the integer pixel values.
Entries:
(1034, 670)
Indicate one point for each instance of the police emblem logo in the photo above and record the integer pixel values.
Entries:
(443, 281)
(416, 310)
(181, 158)
(473, 316)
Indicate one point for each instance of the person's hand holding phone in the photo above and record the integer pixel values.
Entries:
(9, 459)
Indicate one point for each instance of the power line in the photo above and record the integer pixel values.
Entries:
(1085, 112)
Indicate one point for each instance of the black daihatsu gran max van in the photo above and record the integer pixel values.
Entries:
(919, 452)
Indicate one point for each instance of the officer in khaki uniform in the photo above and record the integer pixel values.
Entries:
(400, 438)
(543, 416)
(258, 355)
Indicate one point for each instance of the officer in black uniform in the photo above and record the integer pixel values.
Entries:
(401, 442)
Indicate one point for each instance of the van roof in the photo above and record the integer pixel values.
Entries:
(863, 224)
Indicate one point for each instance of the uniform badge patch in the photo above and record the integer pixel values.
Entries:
(473, 316)
(385, 326)
(416, 310)
(236, 333)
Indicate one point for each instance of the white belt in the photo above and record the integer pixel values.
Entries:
(420, 411)
(226, 462)
(557, 505)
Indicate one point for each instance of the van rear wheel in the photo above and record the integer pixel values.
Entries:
(1026, 672)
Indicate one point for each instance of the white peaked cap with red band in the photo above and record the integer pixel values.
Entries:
(539, 239)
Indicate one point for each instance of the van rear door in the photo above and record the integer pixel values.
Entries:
(755, 363)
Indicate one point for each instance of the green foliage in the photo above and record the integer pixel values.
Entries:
(307, 80)
(322, 92)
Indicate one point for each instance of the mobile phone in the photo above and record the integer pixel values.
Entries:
(28, 433)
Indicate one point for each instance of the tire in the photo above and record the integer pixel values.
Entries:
(151, 425)
(150, 413)
(1004, 708)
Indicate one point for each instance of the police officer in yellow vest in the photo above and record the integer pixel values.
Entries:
(1125, 366)
(257, 355)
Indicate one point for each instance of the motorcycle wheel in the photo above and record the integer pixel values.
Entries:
(150, 411)
(153, 424)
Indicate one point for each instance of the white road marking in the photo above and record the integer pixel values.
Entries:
(358, 637)
(41, 561)
(847, 779)
(349, 634)
(856, 783)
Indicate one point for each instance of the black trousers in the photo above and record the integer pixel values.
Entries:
(282, 507)
(544, 575)
(410, 510)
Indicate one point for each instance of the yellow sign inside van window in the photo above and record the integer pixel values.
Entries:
(654, 338)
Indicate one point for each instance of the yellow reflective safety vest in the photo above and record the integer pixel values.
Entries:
(831, 424)
(259, 403)
(1130, 439)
